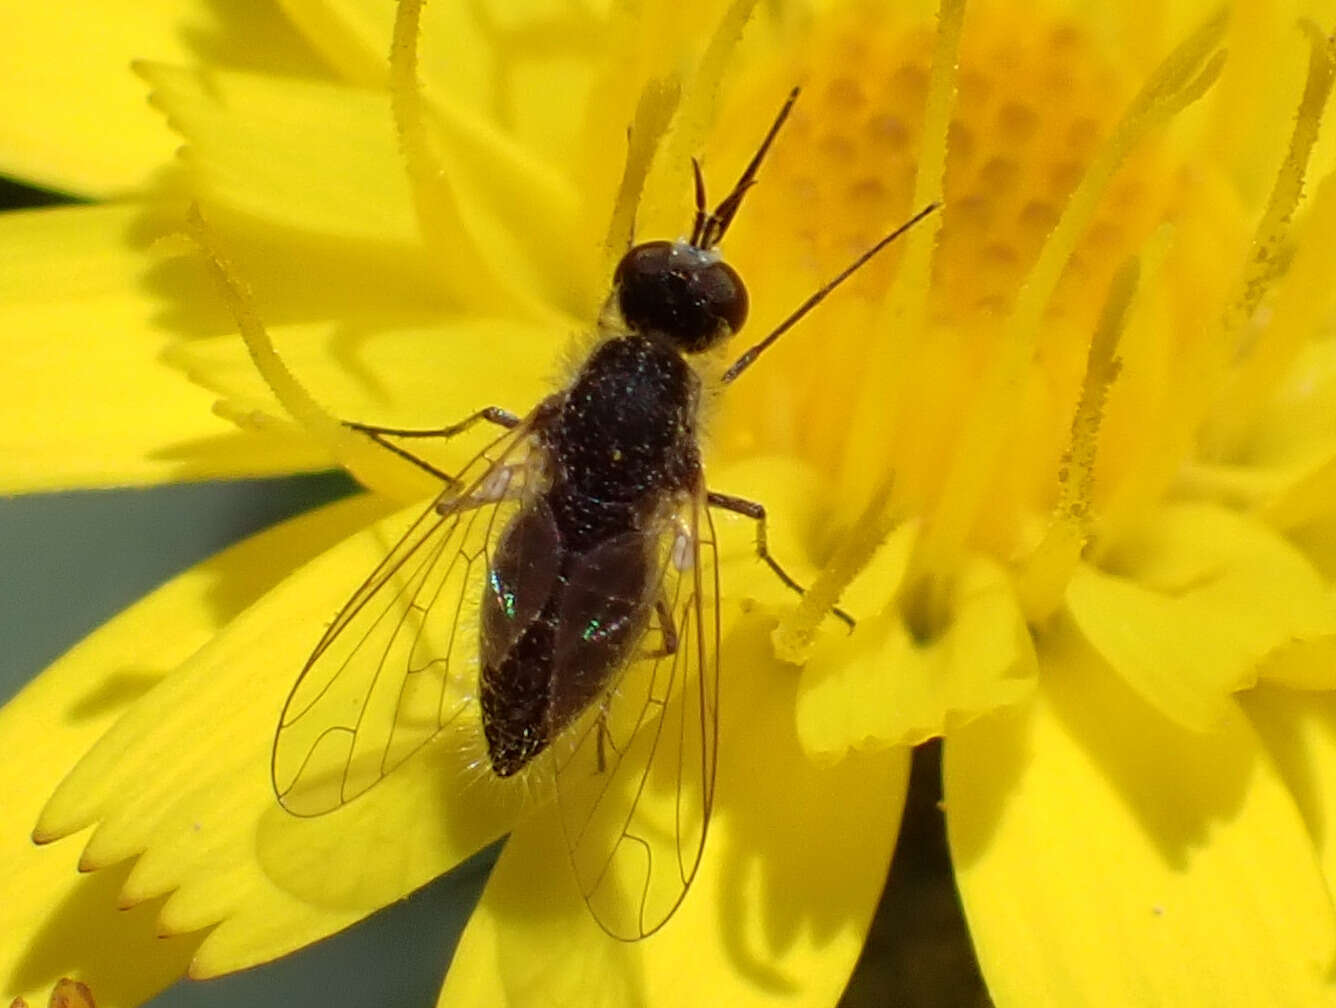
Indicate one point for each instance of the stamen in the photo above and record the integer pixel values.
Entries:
(796, 633)
(1262, 363)
(881, 402)
(1274, 225)
(654, 112)
(371, 467)
(906, 309)
(439, 219)
(1046, 572)
(252, 419)
(715, 61)
(1180, 80)
(1303, 302)
(879, 406)
(697, 112)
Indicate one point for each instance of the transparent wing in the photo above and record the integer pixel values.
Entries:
(635, 773)
(400, 660)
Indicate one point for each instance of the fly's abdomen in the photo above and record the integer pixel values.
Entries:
(515, 693)
(557, 626)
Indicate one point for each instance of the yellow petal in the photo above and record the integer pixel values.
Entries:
(75, 115)
(349, 35)
(794, 862)
(523, 212)
(53, 918)
(1277, 402)
(1296, 442)
(1106, 856)
(1299, 730)
(491, 214)
(324, 159)
(1298, 493)
(87, 402)
(184, 779)
(1303, 664)
(541, 96)
(304, 154)
(424, 376)
(1257, 93)
(890, 684)
(1186, 610)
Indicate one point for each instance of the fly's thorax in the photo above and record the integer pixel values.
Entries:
(626, 432)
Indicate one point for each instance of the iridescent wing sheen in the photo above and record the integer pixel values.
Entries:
(400, 661)
(635, 772)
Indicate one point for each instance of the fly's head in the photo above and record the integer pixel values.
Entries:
(680, 292)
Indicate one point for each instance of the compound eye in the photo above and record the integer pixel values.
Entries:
(723, 290)
(680, 292)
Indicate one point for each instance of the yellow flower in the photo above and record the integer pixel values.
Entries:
(1065, 452)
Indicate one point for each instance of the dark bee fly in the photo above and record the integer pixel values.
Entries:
(580, 545)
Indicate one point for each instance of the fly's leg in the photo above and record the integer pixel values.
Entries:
(603, 743)
(492, 414)
(600, 733)
(756, 511)
(499, 484)
(668, 630)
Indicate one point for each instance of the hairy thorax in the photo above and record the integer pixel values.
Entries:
(625, 436)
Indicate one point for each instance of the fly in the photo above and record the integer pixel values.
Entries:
(581, 546)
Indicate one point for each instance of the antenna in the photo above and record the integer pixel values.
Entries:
(745, 361)
(702, 215)
(709, 229)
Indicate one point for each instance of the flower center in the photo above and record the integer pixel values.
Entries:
(869, 392)
(1031, 108)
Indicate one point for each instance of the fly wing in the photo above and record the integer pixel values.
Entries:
(635, 773)
(400, 660)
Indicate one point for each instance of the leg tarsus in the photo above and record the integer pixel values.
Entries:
(603, 742)
(492, 414)
(406, 455)
(600, 729)
(755, 510)
(667, 627)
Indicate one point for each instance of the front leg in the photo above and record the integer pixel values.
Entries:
(492, 414)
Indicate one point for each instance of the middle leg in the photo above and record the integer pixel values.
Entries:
(756, 511)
